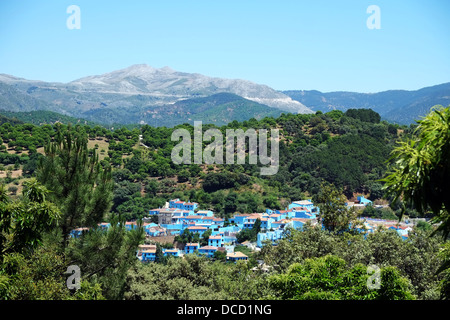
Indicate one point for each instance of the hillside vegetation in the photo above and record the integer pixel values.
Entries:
(348, 150)
(58, 177)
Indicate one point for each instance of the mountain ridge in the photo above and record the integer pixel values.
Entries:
(127, 96)
(400, 106)
(123, 95)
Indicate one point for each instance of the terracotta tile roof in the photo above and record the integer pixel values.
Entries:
(193, 244)
(208, 248)
(197, 227)
(236, 254)
(147, 246)
(302, 219)
(300, 208)
(194, 217)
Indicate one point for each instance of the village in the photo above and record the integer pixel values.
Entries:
(177, 216)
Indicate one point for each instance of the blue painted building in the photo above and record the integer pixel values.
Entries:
(148, 255)
(215, 241)
(197, 229)
(147, 252)
(364, 201)
(178, 204)
(206, 213)
(191, 247)
(273, 236)
(171, 252)
(236, 256)
(207, 251)
(302, 203)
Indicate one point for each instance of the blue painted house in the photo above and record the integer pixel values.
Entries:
(171, 252)
(130, 225)
(364, 201)
(191, 247)
(153, 230)
(197, 229)
(266, 223)
(249, 221)
(206, 213)
(276, 217)
(301, 212)
(176, 203)
(147, 252)
(239, 219)
(302, 203)
(207, 251)
(298, 223)
(274, 236)
(154, 211)
(148, 255)
(215, 241)
(236, 256)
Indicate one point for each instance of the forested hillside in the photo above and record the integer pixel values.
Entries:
(62, 176)
(348, 150)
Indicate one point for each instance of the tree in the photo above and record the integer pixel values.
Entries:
(420, 169)
(105, 256)
(230, 204)
(80, 186)
(205, 237)
(194, 277)
(334, 214)
(249, 234)
(30, 268)
(328, 278)
(183, 175)
(26, 221)
(185, 237)
(420, 173)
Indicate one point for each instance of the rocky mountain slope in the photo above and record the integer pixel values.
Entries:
(128, 95)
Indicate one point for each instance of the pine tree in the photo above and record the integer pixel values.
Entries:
(79, 185)
(83, 189)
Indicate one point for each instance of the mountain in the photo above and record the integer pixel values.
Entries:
(15, 100)
(400, 106)
(170, 86)
(163, 96)
(218, 109)
(142, 94)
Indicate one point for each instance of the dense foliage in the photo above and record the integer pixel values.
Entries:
(85, 174)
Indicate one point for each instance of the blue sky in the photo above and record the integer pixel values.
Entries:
(302, 45)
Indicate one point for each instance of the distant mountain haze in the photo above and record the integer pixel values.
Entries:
(165, 97)
(399, 106)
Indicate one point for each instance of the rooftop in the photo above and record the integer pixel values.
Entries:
(208, 248)
(236, 254)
